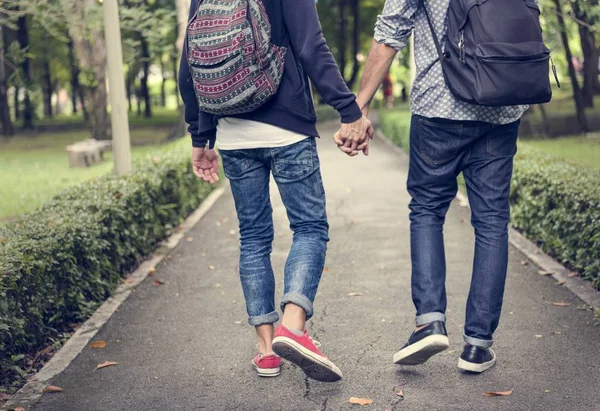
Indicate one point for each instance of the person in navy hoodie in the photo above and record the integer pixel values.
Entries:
(279, 139)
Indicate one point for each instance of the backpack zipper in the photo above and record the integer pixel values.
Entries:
(461, 46)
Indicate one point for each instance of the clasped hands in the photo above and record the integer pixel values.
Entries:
(353, 138)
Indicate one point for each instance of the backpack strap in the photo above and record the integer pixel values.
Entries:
(435, 37)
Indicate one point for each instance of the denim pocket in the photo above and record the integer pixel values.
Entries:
(234, 163)
(295, 161)
(439, 141)
(502, 142)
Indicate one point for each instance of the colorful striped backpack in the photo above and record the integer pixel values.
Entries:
(233, 64)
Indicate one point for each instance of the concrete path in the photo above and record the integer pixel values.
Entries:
(186, 345)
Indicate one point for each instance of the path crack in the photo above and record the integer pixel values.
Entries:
(369, 346)
(324, 405)
(306, 387)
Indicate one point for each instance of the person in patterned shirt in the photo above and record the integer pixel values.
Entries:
(447, 137)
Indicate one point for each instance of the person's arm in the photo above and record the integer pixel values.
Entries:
(309, 46)
(202, 126)
(392, 31)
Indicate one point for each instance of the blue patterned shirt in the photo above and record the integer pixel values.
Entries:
(430, 96)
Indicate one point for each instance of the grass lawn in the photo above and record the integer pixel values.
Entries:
(160, 117)
(34, 168)
(584, 151)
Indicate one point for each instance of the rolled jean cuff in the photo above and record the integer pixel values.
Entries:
(270, 318)
(300, 300)
(478, 342)
(428, 318)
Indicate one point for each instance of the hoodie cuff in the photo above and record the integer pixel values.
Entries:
(351, 113)
(204, 139)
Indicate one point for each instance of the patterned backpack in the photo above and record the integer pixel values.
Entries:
(233, 64)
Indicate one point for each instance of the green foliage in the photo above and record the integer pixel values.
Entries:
(558, 205)
(396, 126)
(554, 203)
(60, 262)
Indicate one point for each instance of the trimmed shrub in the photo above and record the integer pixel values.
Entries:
(396, 127)
(554, 203)
(557, 204)
(60, 262)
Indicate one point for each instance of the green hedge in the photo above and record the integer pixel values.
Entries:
(60, 262)
(554, 203)
(396, 127)
(558, 205)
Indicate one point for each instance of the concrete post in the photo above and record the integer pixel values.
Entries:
(121, 145)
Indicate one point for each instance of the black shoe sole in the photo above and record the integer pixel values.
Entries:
(421, 351)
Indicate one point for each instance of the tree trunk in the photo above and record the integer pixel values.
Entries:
(579, 106)
(47, 89)
(23, 39)
(145, 92)
(545, 121)
(176, 76)
(590, 58)
(16, 103)
(342, 37)
(74, 75)
(91, 51)
(128, 81)
(355, 43)
(7, 126)
(163, 92)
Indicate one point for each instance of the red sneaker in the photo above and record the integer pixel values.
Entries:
(267, 365)
(303, 351)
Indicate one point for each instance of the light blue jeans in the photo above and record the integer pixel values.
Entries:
(296, 171)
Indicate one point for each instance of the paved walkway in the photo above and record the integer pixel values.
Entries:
(186, 345)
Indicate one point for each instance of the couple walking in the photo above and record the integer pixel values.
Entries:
(244, 79)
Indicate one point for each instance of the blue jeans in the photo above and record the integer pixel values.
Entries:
(296, 171)
(439, 151)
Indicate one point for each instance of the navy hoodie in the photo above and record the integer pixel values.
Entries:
(295, 25)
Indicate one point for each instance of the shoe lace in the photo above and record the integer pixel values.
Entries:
(315, 342)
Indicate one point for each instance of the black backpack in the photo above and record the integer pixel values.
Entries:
(495, 54)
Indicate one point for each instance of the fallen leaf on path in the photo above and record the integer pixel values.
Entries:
(544, 272)
(561, 282)
(561, 304)
(52, 388)
(400, 393)
(217, 285)
(557, 333)
(355, 294)
(75, 326)
(547, 391)
(211, 267)
(129, 281)
(524, 262)
(232, 232)
(539, 336)
(151, 271)
(190, 239)
(237, 322)
(498, 393)
(326, 269)
(98, 344)
(157, 283)
(19, 409)
(573, 274)
(360, 401)
(463, 220)
(106, 364)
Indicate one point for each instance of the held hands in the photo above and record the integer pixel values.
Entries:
(354, 137)
(205, 163)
